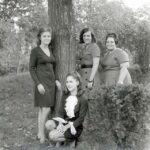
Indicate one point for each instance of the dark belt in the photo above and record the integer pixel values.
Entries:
(86, 66)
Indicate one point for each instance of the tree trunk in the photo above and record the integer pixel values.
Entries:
(60, 19)
(144, 55)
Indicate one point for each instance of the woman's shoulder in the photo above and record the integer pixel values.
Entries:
(81, 46)
(35, 49)
(119, 50)
(82, 97)
(94, 46)
(121, 55)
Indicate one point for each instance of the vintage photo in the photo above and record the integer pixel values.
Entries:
(75, 74)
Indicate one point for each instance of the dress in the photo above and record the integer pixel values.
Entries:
(85, 59)
(80, 112)
(111, 67)
(41, 70)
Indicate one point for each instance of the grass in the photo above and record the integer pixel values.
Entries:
(18, 117)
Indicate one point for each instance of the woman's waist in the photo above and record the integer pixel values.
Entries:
(115, 68)
(86, 66)
(45, 68)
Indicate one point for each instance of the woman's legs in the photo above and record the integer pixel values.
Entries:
(39, 123)
(44, 114)
(50, 125)
(56, 136)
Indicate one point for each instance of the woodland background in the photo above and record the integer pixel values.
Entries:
(20, 20)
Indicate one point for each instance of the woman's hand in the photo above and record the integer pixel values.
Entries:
(41, 89)
(90, 84)
(66, 127)
(119, 83)
(62, 128)
(72, 128)
(58, 84)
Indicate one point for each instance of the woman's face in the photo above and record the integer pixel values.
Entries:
(45, 38)
(71, 84)
(87, 37)
(110, 43)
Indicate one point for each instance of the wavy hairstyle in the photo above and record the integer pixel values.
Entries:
(112, 35)
(76, 76)
(84, 31)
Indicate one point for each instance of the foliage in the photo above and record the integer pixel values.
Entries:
(132, 27)
(21, 20)
(120, 110)
(19, 23)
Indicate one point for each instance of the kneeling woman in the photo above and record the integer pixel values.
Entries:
(69, 125)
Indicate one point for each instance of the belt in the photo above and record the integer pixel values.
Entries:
(86, 66)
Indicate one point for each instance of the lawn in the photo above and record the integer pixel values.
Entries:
(18, 117)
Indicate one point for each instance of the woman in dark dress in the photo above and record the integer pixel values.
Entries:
(69, 124)
(41, 69)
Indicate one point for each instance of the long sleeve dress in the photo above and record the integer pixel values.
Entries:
(80, 111)
(42, 72)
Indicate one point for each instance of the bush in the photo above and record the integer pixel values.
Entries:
(120, 110)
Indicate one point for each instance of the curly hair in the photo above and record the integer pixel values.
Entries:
(112, 35)
(84, 31)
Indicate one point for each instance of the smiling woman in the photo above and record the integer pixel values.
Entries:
(41, 67)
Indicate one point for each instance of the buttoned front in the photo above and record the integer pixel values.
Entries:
(85, 59)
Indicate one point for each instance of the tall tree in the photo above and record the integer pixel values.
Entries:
(61, 20)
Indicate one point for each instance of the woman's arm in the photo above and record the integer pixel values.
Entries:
(33, 66)
(94, 68)
(93, 71)
(123, 72)
(82, 113)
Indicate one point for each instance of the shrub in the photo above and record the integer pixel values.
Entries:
(120, 110)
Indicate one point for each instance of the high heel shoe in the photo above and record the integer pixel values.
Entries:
(37, 137)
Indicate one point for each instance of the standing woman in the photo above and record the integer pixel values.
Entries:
(115, 63)
(89, 59)
(41, 69)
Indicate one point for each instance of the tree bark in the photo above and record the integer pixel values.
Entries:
(144, 55)
(61, 20)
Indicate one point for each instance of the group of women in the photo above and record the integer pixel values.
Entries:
(95, 69)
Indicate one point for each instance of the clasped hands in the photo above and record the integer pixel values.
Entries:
(62, 128)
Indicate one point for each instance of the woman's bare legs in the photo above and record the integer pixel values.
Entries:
(56, 136)
(39, 123)
(44, 114)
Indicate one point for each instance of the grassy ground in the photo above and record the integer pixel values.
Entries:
(18, 117)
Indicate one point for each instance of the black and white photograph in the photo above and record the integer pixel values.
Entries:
(74, 74)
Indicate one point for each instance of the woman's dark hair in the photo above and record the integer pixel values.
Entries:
(112, 35)
(76, 76)
(84, 31)
(41, 30)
